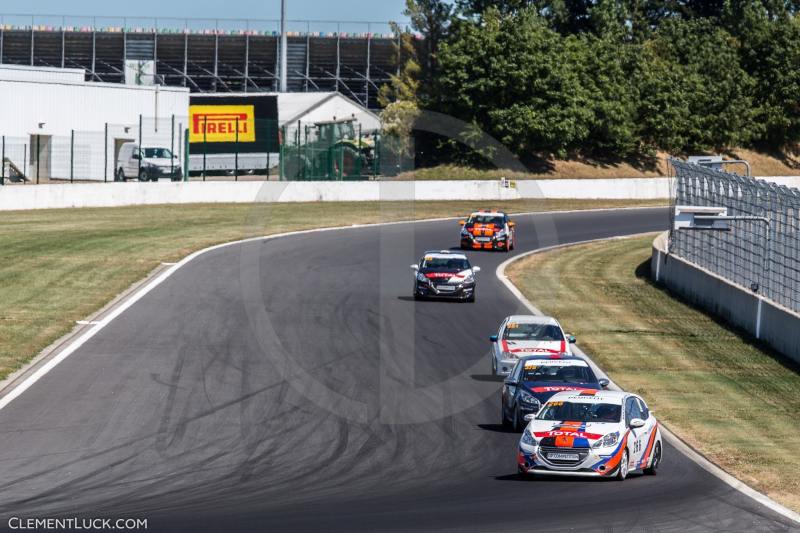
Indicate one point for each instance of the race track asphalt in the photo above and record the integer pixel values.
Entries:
(294, 385)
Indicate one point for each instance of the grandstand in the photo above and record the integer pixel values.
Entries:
(210, 55)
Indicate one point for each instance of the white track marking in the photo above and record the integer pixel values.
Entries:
(673, 439)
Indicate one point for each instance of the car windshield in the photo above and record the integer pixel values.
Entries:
(486, 219)
(532, 332)
(157, 153)
(580, 412)
(557, 373)
(445, 263)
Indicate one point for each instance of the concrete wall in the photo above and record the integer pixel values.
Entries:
(765, 320)
(49, 196)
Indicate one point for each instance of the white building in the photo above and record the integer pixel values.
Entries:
(59, 112)
(56, 125)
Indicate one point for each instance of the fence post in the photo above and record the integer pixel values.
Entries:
(3, 163)
(172, 149)
(72, 156)
(205, 142)
(141, 150)
(105, 154)
(236, 154)
(186, 155)
(38, 137)
(282, 155)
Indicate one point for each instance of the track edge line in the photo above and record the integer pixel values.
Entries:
(695, 456)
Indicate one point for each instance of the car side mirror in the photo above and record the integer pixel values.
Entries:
(492, 338)
(414, 267)
(135, 156)
(511, 383)
(476, 269)
(528, 418)
(512, 224)
(462, 222)
(636, 423)
(603, 382)
(572, 339)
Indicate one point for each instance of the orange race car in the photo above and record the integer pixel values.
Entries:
(488, 230)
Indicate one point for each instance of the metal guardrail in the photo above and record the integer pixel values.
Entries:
(760, 249)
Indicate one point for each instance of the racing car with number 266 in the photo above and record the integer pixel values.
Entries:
(595, 433)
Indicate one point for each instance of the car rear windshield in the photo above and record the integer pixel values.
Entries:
(486, 219)
(532, 332)
(158, 153)
(445, 263)
(580, 412)
(557, 374)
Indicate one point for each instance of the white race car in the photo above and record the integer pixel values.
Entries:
(596, 433)
(522, 335)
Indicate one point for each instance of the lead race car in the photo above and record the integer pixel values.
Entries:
(522, 335)
(444, 274)
(591, 433)
(488, 230)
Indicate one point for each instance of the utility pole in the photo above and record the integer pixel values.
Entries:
(284, 41)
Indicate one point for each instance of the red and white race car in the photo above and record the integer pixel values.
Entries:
(522, 335)
(595, 433)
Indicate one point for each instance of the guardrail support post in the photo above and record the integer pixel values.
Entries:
(141, 150)
(186, 155)
(3, 163)
(172, 150)
(72, 156)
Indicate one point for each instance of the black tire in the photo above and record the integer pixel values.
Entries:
(521, 474)
(652, 470)
(121, 176)
(503, 418)
(622, 470)
(518, 422)
(494, 366)
(507, 247)
(471, 298)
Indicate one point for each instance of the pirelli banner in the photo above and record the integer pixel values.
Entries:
(215, 119)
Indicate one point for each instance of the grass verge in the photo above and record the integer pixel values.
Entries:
(717, 389)
(60, 266)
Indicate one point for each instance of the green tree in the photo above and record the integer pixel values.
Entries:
(693, 93)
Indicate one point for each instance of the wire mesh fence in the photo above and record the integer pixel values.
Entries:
(762, 252)
(209, 146)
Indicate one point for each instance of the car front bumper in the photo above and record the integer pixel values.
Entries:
(505, 366)
(597, 462)
(470, 242)
(431, 290)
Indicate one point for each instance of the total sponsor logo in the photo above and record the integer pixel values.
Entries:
(556, 388)
(567, 433)
(220, 123)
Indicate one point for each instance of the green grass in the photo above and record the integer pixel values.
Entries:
(721, 392)
(60, 266)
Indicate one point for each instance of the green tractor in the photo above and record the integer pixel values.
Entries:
(330, 150)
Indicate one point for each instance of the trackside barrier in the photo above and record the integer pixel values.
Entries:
(777, 326)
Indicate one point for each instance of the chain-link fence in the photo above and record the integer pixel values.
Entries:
(209, 146)
(761, 250)
(335, 150)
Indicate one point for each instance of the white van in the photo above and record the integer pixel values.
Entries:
(151, 163)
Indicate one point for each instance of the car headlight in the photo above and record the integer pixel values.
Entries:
(527, 438)
(500, 234)
(529, 400)
(468, 279)
(464, 232)
(421, 277)
(609, 440)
